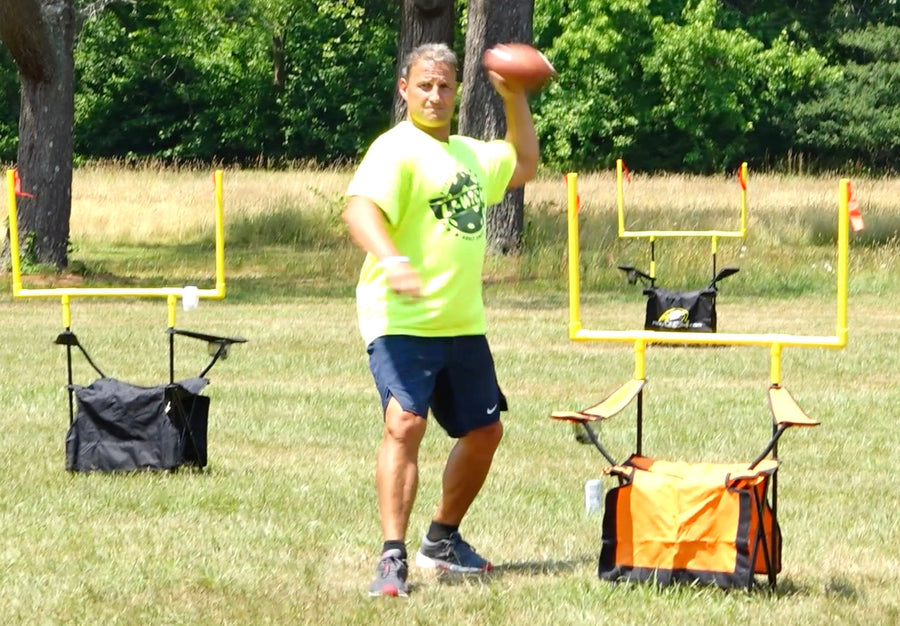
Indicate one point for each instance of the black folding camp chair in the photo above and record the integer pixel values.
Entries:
(122, 426)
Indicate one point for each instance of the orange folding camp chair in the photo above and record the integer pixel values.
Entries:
(707, 523)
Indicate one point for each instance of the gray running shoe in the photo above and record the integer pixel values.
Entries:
(452, 555)
(390, 575)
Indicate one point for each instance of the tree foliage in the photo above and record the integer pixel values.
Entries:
(342, 80)
(592, 113)
(858, 117)
(673, 92)
(235, 80)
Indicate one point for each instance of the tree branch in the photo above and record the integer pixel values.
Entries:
(93, 8)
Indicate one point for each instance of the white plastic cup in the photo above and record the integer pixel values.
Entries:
(190, 299)
(593, 495)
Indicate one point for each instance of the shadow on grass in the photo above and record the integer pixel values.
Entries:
(542, 568)
(841, 588)
(527, 568)
(785, 588)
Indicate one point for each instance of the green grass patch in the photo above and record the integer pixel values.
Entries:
(287, 225)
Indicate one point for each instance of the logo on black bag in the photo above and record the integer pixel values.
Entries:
(675, 318)
(460, 207)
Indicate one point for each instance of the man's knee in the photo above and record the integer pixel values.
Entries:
(402, 426)
(484, 440)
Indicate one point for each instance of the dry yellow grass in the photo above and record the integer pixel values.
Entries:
(152, 204)
(766, 192)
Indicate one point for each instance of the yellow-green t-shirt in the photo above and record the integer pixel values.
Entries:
(433, 195)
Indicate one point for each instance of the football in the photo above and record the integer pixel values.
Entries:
(519, 63)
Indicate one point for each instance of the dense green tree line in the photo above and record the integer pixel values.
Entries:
(235, 79)
(696, 85)
(9, 106)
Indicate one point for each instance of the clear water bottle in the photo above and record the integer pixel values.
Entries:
(593, 495)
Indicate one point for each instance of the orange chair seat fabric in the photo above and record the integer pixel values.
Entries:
(690, 522)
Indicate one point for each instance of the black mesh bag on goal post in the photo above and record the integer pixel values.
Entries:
(684, 311)
(689, 311)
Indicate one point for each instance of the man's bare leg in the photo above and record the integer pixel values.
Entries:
(465, 472)
(397, 471)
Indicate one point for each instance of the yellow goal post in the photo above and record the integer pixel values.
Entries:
(171, 294)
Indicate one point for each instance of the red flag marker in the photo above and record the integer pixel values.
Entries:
(577, 195)
(18, 185)
(626, 173)
(856, 220)
(741, 179)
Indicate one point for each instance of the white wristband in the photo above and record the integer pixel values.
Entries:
(391, 261)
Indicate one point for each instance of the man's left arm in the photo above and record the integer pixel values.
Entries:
(519, 130)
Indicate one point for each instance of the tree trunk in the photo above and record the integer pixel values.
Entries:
(422, 21)
(45, 123)
(279, 60)
(481, 114)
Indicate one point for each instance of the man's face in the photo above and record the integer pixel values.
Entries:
(430, 91)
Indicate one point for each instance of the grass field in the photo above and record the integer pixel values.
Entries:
(282, 527)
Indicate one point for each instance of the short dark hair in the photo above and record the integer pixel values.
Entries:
(435, 52)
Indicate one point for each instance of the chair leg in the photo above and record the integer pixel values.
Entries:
(71, 382)
(761, 540)
(185, 420)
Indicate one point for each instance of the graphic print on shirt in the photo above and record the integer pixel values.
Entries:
(459, 206)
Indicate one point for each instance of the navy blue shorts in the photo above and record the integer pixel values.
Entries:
(452, 376)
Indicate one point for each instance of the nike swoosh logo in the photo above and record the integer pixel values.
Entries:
(491, 410)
